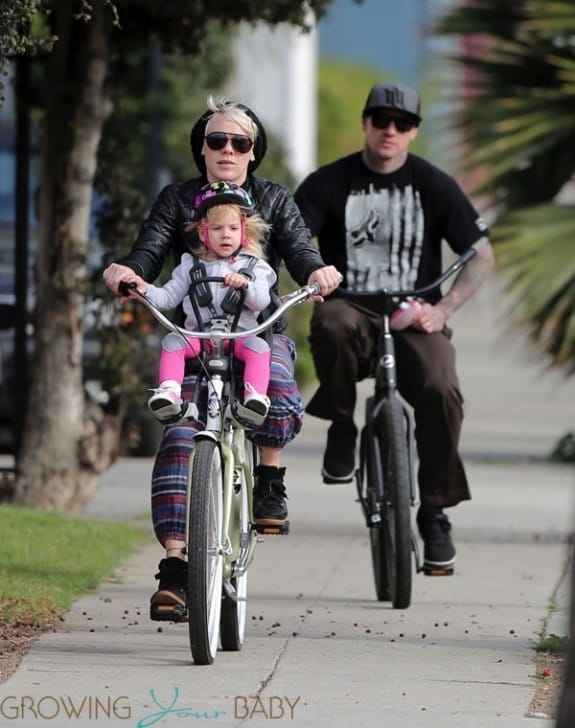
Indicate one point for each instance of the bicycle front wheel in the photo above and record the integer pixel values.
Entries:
(396, 521)
(372, 490)
(205, 553)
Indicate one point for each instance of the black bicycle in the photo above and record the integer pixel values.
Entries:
(385, 479)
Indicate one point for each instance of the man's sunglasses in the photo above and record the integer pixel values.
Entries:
(218, 139)
(381, 120)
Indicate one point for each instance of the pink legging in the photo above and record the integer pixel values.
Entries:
(252, 350)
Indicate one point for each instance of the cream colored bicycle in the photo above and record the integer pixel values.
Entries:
(221, 534)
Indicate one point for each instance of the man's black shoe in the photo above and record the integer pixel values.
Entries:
(270, 507)
(339, 457)
(438, 551)
(170, 603)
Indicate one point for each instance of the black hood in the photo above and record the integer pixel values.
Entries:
(197, 140)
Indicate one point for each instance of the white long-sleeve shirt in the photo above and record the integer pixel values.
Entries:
(175, 291)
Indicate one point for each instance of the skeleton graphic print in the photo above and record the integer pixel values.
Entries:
(384, 238)
(387, 230)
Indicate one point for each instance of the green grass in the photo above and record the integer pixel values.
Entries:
(553, 644)
(47, 560)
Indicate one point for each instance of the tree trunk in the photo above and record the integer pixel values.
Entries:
(67, 441)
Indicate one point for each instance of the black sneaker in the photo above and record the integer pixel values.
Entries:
(438, 551)
(170, 602)
(339, 457)
(270, 507)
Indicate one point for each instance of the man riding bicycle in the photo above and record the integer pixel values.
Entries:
(380, 216)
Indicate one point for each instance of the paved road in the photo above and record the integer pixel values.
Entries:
(320, 650)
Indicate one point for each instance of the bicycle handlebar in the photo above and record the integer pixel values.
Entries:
(289, 300)
(406, 293)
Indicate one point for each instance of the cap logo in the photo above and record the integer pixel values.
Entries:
(394, 97)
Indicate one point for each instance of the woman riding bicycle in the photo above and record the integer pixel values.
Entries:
(228, 143)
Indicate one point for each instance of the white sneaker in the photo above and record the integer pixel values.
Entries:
(256, 402)
(166, 402)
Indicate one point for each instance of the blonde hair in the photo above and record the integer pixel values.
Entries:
(231, 111)
(255, 228)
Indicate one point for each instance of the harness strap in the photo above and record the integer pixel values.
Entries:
(200, 293)
(233, 296)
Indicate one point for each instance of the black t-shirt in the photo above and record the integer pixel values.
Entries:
(386, 230)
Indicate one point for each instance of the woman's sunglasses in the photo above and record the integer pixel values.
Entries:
(381, 120)
(217, 140)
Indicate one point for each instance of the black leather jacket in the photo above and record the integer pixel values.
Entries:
(163, 233)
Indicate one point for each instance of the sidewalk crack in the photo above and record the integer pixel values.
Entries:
(271, 674)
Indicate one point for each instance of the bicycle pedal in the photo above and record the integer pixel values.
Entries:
(437, 570)
(168, 613)
(280, 529)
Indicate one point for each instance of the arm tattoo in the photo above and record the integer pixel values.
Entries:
(470, 277)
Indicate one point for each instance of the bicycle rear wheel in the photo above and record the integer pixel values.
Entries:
(205, 556)
(396, 520)
(235, 599)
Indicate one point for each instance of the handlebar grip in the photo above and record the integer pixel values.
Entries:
(124, 288)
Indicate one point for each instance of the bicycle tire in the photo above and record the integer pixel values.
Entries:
(205, 556)
(369, 453)
(396, 515)
(234, 607)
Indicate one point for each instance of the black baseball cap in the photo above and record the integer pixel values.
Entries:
(393, 96)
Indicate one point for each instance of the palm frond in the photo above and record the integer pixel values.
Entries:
(517, 102)
(535, 251)
(511, 111)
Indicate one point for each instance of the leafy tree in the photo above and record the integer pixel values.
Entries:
(514, 104)
(68, 439)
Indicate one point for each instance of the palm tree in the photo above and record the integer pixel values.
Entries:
(514, 114)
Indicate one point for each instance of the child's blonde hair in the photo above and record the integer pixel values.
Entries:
(255, 229)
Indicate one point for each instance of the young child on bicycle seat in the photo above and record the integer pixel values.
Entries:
(227, 245)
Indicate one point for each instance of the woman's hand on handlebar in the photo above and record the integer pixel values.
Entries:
(116, 274)
(328, 279)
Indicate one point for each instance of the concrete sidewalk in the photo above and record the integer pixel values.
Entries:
(461, 655)
(320, 650)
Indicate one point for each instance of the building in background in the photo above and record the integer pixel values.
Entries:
(276, 75)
